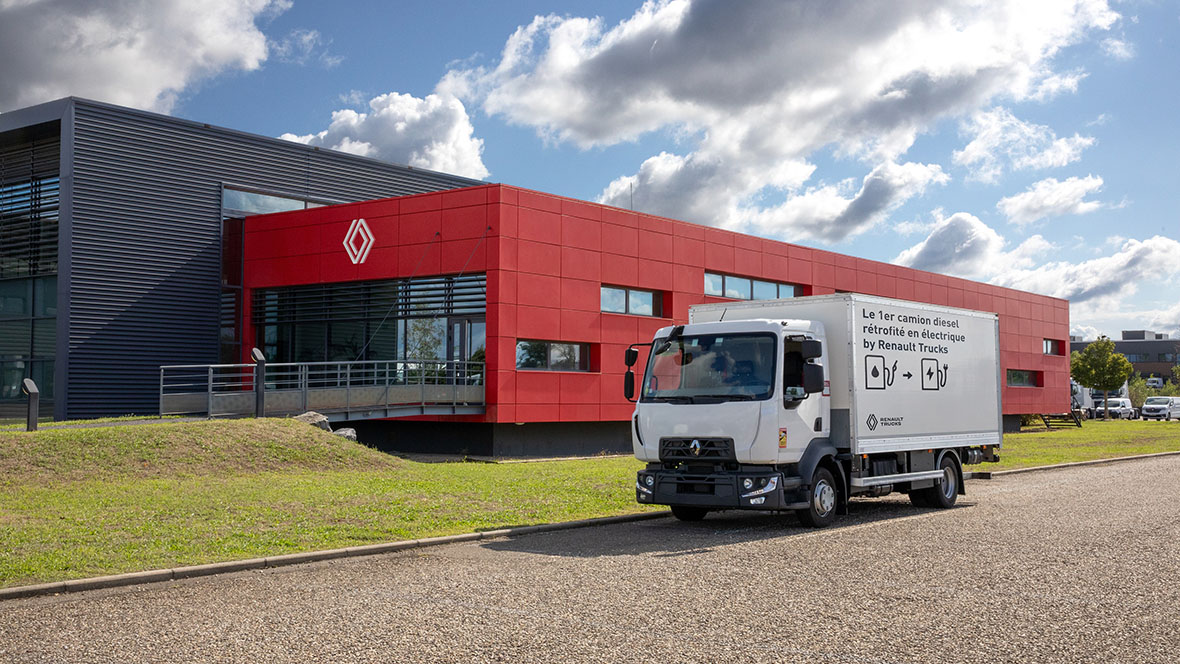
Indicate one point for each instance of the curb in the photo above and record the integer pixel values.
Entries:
(987, 475)
(157, 575)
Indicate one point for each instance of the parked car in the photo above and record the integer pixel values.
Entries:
(1119, 409)
(1161, 408)
(1155, 382)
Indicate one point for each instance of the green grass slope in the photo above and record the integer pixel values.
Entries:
(86, 502)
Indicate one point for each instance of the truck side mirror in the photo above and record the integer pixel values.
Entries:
(813, 378)
(810, 349)
(629, 385)
(631, 356)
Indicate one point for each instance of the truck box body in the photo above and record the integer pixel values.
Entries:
(903, 375)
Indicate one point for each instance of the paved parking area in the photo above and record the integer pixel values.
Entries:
(1062, 566)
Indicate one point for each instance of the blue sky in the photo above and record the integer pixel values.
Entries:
(1025, 144)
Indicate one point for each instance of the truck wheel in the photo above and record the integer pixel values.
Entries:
(945, 490)
(686, 513)
(821, 506)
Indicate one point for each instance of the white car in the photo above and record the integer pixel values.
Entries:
(1155, 382)
(1161, 408)
(1119, 409)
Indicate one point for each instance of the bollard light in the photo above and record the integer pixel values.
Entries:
(30, 388)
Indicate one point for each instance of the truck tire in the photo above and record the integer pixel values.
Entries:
(945, 490)
(822, 499)
(686, 513)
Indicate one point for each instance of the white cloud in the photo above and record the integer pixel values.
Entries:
(1102, 282)
(998, 135)
(755, 85)
(1118, 49)
(1167, 320)
(964, 246)
(1051, 198)
(433, 133)
(828, 215)
(302, 46)
(1098, 289)
(136, 53)
(1086, 332)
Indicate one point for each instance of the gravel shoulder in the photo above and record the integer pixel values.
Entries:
(1065, 566)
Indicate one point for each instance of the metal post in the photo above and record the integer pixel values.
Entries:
(209, 394)
(30, 388)
(259, 382)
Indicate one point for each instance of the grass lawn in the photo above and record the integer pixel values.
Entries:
(86, 502)
(1095, 440)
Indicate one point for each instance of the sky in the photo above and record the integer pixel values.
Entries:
(1031, 145)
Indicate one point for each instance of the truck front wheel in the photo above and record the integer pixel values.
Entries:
(686, 513)
(821, 504)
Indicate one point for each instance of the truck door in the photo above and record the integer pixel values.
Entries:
(802, 414)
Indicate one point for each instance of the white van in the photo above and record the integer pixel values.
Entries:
(1120, 409)
(1161, 408)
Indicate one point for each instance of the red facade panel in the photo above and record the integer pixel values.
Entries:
(546, 258)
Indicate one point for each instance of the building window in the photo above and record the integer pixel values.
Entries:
(1167, 357)
(619, 300)
(552, 356)
(744, 288)
(1022, 378)
(1138, 357)
(1054, 347)
(253, 202)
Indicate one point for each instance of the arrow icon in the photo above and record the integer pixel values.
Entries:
(908, 375)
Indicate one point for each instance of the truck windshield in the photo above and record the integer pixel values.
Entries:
(1157, 401)
(711, 367)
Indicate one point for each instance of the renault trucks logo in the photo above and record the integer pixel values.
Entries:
(358, 241)
(695, 446)
(873, 422)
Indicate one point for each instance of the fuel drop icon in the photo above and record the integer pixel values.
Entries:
(878, 376)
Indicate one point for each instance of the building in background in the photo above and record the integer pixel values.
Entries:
(129, 242)
(114, 224)
(550, 291)
(1150, 353)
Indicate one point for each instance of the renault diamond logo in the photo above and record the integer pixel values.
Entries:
(872, 422)
(695, 446)
(358, 241)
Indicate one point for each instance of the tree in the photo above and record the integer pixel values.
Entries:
(1176, 374)
(1097, 366)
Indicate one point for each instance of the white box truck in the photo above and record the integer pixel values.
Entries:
(798, 404)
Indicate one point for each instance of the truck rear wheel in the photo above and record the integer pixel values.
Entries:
(945, 490)
(821, 503)
(686, 513)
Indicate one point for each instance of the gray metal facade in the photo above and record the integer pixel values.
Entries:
(139, 277)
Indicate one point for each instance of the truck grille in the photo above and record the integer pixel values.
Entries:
(704, 449)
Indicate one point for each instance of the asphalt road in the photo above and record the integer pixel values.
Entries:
(1078, 565)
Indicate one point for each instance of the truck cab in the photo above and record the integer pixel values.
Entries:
(764, 384)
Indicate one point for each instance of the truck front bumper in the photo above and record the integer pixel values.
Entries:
(766, 490)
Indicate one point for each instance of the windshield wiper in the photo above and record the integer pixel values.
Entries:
(669, 399)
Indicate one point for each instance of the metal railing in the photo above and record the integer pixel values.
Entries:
(341, 390)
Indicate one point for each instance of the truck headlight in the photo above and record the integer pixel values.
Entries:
(768, 486)
(649, 480)
(748, 483)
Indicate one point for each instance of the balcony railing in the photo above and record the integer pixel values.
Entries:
(340, 390)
